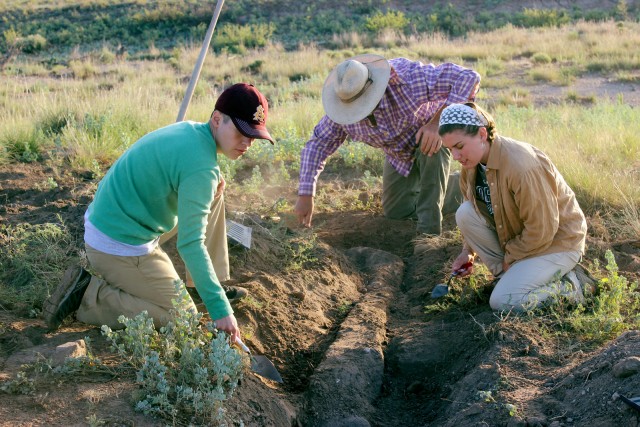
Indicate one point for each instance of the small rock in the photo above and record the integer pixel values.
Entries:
(70, 349)
(627, 367)
(299, 295)
(615, 396)
(555, 424)
(474, 409)
(364, 197)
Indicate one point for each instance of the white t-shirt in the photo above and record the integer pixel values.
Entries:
(103, 243)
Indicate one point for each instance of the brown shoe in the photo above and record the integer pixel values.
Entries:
(234, 294)
(67, 297)
(588, 282)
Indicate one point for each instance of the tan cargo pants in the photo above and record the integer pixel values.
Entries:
(131, 284)
(528, 282)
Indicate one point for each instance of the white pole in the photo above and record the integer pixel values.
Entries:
(198, 67)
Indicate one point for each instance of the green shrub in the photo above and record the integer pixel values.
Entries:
(297, 77)
(622, 10)
(255, 67)
(391, 20)
(33, 43)
(82, 69)
(53, 123)
(448, 20)
(541, 18)
(237, 38)
(23, 145)
(612, 311)
(541, 58)
(572, 96)
(105, 56)
(544, 75)
(186, 370)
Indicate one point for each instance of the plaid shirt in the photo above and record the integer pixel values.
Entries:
(415, 93)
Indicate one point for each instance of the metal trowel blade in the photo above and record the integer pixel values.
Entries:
(440, 290)
(260, 365)
(263, 367)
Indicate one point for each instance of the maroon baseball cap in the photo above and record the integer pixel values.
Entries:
(248, 109)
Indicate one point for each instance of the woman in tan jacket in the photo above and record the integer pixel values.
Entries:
(519, 216)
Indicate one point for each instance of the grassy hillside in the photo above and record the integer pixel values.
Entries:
(52, 27)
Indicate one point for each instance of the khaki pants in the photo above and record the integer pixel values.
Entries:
(527, 283)
(422, 194)
(131, 284)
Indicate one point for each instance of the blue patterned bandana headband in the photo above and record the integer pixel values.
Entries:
(460, 114)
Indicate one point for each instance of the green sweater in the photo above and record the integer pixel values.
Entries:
(168, 176)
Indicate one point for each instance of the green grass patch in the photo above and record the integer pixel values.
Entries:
(32, 260)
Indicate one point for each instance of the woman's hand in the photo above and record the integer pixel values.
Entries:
(463, 264)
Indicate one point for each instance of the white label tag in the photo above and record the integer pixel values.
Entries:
(239, 233)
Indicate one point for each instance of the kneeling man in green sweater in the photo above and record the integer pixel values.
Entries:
(168, 177)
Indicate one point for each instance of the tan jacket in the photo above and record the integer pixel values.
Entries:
(535, 211)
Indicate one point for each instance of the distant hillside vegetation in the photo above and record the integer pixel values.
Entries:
(54, 27)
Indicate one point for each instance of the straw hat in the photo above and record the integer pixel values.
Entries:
(354, 88)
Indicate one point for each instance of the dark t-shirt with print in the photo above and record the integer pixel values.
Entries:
(483, 195)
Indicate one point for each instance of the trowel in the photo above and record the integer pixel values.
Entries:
(261, 365)
(633, 402)
(442, 289)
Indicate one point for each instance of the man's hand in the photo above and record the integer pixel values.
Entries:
(220, 188)
(428, 139)
(304, 210)
(229, 325)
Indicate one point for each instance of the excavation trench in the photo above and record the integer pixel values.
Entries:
(345, 385)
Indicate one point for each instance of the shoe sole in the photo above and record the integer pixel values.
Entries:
(67, 285)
